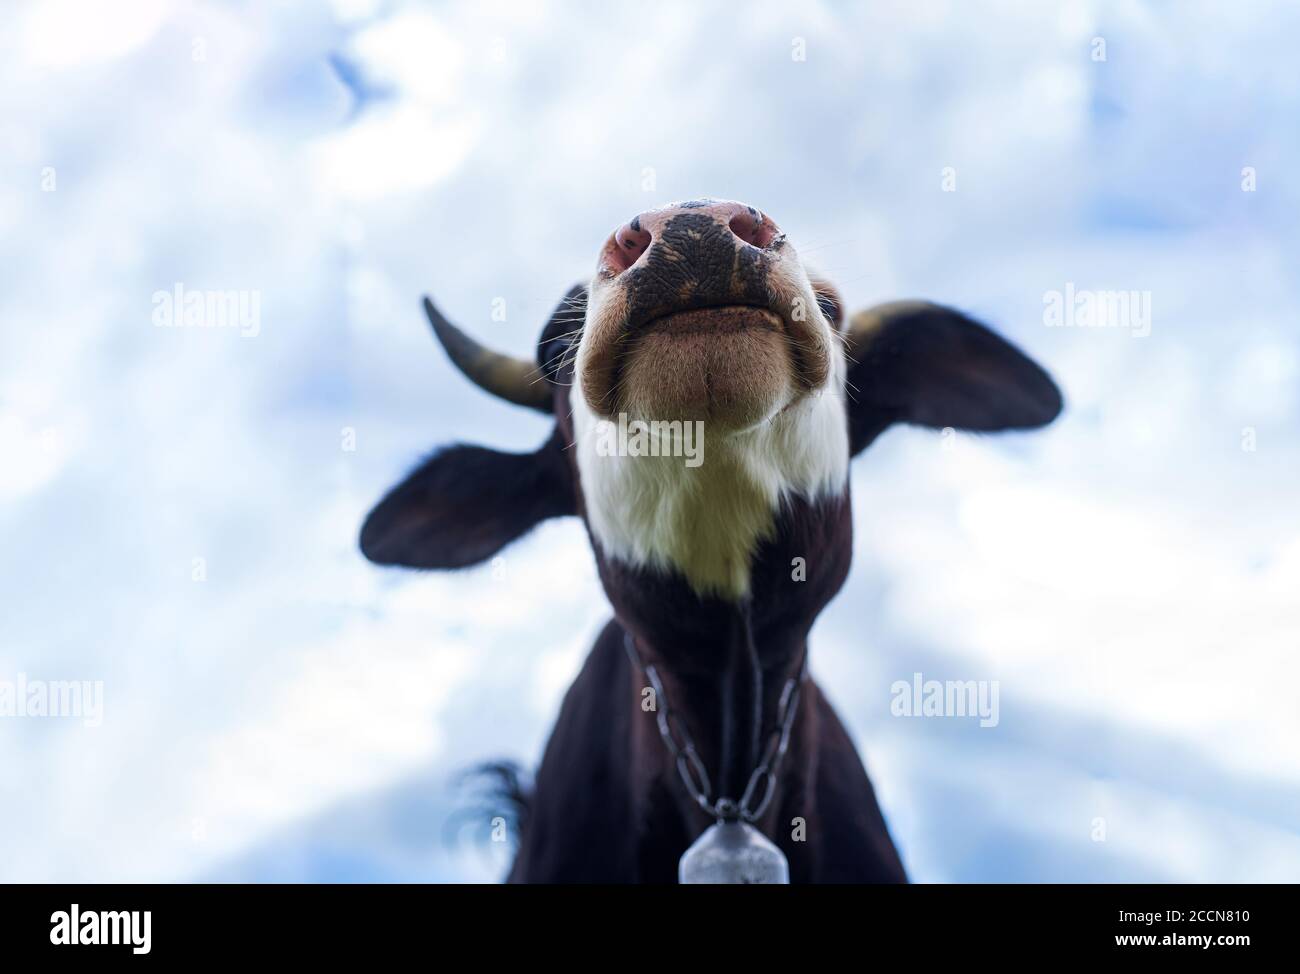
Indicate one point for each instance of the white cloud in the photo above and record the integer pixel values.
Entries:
(73, 33)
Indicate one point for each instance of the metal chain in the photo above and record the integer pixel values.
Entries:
(681, 747)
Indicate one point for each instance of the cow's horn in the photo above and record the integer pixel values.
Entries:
(516, 380)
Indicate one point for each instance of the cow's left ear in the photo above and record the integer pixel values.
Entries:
(465, 503)
(915, 362)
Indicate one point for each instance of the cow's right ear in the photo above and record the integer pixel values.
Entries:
(465, 503)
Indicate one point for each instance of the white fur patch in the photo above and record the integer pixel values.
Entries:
(706, 521)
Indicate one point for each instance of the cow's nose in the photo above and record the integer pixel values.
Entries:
(744, 225)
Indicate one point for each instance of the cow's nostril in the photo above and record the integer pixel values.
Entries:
(629, 243)
(753, 228)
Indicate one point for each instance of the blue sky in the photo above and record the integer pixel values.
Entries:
(1129, 577)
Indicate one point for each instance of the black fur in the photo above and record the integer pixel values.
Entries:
(936, 367)
(465, 503)
(560, 337)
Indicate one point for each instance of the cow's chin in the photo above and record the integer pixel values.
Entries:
(727, 367)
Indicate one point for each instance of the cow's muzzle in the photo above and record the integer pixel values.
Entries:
(700, 311)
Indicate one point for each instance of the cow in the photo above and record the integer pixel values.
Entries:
(694, 704)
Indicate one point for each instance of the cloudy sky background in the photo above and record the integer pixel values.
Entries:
(1130, 577)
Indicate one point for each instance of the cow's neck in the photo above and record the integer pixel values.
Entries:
(726, 696)
(704, 647)
(718, 571)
